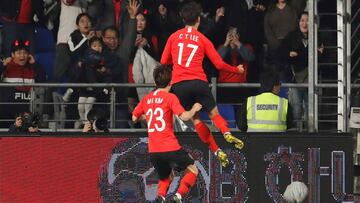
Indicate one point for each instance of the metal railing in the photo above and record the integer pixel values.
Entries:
(113, 104)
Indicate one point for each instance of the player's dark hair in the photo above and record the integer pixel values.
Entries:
(82, 15)
(268, 80)
(162, 76)
(110, 28)
(95, 39)
(190, 13)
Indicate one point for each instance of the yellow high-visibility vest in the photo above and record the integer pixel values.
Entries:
(266, 113)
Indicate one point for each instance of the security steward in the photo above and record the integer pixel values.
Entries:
(266, 112)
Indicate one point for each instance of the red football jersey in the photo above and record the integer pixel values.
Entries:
(185, 49)
(159, 107)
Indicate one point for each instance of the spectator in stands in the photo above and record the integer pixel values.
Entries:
(94, 70)
(256, 37)
(280, 20)
(25, 122)
(296, 49)
(166, 21)
(237, 15)
(145, 38)
(17, 17)
(118, 54)
(17, 127)
(145, 58)
(78, 44)
(114, 13)
(21, 67)
(234, 52)
(78, 41)
(96, 122)
(70, 9)
(266, 112)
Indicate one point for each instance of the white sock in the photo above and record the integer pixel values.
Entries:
(216, 152)
(178, 195)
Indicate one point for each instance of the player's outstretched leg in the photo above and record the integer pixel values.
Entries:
(186, 183)
(207, 138)
(222, 125)
(163, 187)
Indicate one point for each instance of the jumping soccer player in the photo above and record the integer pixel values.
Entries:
(185, 49)
(165, 152)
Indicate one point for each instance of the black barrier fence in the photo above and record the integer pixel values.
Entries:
(117, 168)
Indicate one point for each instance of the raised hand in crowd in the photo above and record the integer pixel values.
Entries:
(141, 42)
(220, 12)
(229, 37)
(133, 8)
(293, 54)
(241, 68)
(7, 61)
(235, 40)
(91, 34)
(260, 7)
(87, 127)
(321, 49)
(31, 60)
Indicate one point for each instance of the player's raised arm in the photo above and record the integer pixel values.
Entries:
(215, 58)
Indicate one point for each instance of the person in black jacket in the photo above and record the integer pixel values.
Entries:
(17, 17)
(295, 48)
(117, 55)
(94, 70)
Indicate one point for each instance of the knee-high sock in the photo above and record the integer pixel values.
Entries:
(206, 136)
(220, 123)
(186, 183)
(81, 108)
(89, 104)
(163, 186)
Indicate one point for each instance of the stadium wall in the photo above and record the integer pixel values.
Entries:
(116, 168)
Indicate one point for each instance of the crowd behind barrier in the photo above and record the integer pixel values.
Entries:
(35, 102)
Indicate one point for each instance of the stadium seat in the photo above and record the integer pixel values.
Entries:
(45, 50)
(44, 40)
(228, 112)
(46, 61)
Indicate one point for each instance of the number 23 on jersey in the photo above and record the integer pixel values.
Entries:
(156, 119)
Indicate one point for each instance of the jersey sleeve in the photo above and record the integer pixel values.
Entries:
(166, 55)
(215, 58)
(139, 110)
(175, 105)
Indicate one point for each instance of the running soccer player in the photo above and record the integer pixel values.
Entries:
(185, 49)
(165, 152)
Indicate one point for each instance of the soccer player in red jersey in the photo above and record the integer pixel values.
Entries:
(185, 49)
(159, 107)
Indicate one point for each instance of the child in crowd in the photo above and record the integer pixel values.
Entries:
(93, 71)
(20, 67)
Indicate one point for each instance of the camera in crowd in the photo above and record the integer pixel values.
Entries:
(25, 122)
(30, 120)
(98, 121)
